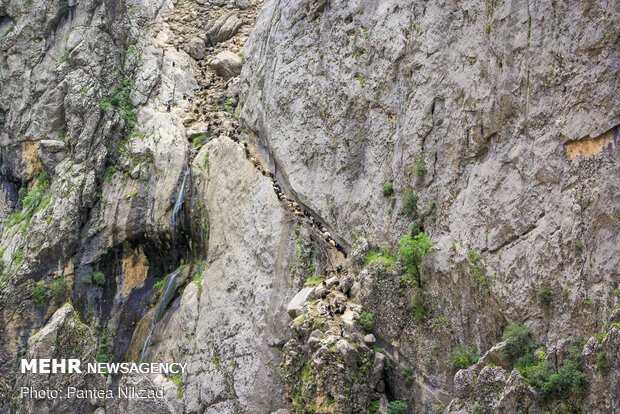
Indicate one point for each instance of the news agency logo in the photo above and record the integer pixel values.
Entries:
(74, 366)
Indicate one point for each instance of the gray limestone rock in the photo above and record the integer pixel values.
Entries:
(296, 306)
(227, 64)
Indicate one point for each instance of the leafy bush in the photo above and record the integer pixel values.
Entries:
(1, 266)
(158, 284)
(463, 357)
(87, 279)
(602, 364)
(365, 321)
(388, 189)
(410, 204)
(520, 346)
(17, 257)
(35, 200)
(544, 296)
(420, 312)
(415, 227)
(59, 287)
(419, 169)
(413, 250)
(397, 407)
(558, 385)
(99, 278)
(408, 375)
(39, 295)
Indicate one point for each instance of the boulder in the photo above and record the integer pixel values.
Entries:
(227, 64)
(223, 28)
(243, 4)
(464, 382)
(296, 305)
(196, 48)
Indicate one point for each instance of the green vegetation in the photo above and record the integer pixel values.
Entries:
(383, 256)
(99, 278)
(158, 284)
(105, 351)
(602, 364)
(551, 384)
(177, 381)
(87, 279)
(544, 296)
(421, 311)
(365, 321)
(520, 347)
(397, 407)
(415, 227)
(8, 29)
(408, 375)
(419, 169)
(17, 257)
(413, 250)
(374, 406)
(474, 259)
(118, 100)
(410, 204)
(199, 140)
(463, 357)
(59, 288)
(388, 189)
(36, 200)
(62, 133)
(313, 281)
(578, 244)
(39, 295)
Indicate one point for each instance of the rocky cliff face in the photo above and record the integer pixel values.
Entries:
(227, 184)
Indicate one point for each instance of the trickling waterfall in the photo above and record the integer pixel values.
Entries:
(179, 202)
(161, 307)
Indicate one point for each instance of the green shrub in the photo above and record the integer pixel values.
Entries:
(39, 295)
(415, 227)
(420, 312)
(158, 284)
(199, 140)
(17, 257)
(413, 250)
(408, 375)
(36, 200)
(578, 244)
(520, 346)
(410, 204)
(365, 321)
(99, 278)
(602, 364)
(463, 357)
(397, 407)
(388, 189)
(374, 406)
(1, 266)
(419, 169)
(59, 287)
(544, 296)
(558, 385)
